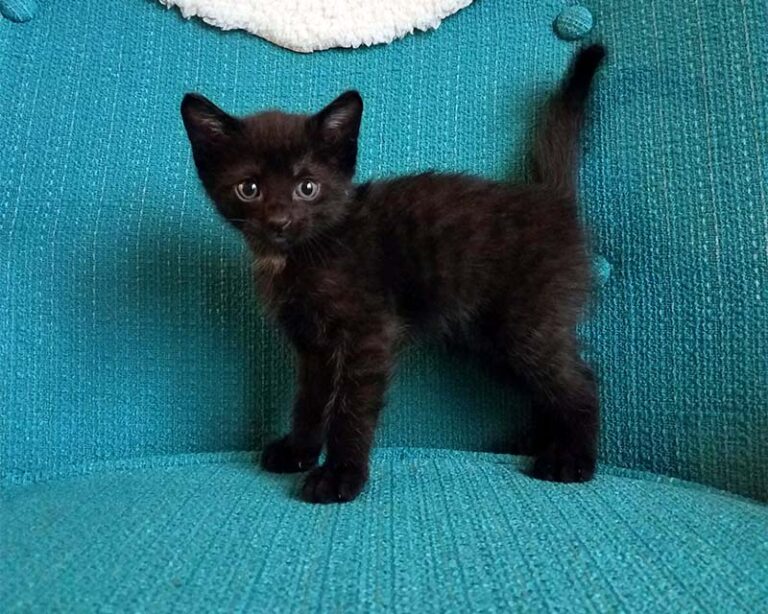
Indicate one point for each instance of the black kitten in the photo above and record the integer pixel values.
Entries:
(351, 271)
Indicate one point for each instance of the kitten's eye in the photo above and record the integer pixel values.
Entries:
(247, 191)
(307, 190)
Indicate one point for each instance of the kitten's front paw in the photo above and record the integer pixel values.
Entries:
(563, 465)
(328, 484)
(282, 456)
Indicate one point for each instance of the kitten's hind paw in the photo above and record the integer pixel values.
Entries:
(328, 484)
(282, 456)
(557, 465)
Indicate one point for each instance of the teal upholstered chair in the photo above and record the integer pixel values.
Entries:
(138, 377)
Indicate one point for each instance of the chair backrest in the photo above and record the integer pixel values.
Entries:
(128, 324)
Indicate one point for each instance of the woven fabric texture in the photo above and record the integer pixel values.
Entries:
(129, 326)
(435, 531)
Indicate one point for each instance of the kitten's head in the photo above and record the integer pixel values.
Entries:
(281, 179)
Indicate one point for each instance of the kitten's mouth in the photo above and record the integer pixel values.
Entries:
(280, 241)
(269, 243)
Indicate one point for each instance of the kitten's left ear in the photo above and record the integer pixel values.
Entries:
(337, 127)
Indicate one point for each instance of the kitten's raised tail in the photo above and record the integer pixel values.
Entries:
(555, 153)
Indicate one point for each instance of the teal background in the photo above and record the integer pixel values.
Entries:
(136, 368)
(130, 326)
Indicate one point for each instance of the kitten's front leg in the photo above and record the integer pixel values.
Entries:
(363, 366)
(300, 449)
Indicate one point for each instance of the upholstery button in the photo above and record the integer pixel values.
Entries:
(602, 270)
(18, 10)
(574, 22)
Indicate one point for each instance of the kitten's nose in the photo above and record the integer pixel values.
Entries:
(278, 224)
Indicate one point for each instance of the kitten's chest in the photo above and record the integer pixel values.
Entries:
(308, 305)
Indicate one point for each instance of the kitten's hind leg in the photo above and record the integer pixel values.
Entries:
(566, 418)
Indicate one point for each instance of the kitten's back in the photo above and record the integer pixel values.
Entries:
(450, 247)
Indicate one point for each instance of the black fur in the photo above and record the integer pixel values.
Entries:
(500, 269)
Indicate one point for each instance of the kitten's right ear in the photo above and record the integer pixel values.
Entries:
(206, 124)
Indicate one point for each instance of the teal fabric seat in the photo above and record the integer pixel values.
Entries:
(434, 531)
(139, 378)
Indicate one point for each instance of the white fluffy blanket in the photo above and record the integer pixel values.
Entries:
(311, 25)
